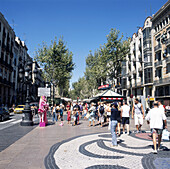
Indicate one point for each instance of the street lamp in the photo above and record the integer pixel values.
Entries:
(27, 119)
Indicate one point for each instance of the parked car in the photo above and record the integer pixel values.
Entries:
(19, 109)
(4, 113)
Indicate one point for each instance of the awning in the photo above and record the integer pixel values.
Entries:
(108, 95)
(66, 99)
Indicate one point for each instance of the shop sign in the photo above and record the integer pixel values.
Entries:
(43, 91)
(103, 87)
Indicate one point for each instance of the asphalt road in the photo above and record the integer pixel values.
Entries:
(11, 131)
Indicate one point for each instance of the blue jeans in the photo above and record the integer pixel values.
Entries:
(54, 116)
(113, 133)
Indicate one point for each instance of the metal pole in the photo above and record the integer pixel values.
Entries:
(53, 94)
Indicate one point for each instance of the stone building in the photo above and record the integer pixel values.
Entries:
(7, 36)
(161, 53)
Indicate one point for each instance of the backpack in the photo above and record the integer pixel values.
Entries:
(101, 110)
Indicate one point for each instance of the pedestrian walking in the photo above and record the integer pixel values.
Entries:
(92, 115)
(125, 114)
(118, 128)
(108, 111)
(68, 114)
(155, 118)
(113, 119)
(54, 115)
(61, 115)
(81, 109)
(138, 115)
(74, 117)
(101, 114)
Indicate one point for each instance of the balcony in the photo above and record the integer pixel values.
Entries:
(158, 48)
(149, 64)
(163, 81)
(168, 59)
(158, 64)
(3, 47)
(147, 37)
(140, 83)
(167, 42)
(140, 69)
(140, 57)
(147, 49)
(134, 72)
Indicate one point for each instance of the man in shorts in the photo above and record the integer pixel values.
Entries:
(125, 113)
(138, 114)
(156, 117)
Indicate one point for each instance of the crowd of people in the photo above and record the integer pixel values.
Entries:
(115, 115)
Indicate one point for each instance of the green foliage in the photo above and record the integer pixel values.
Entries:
(106, 62)
(57, 63)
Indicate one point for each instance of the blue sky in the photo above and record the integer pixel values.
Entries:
(84, 24)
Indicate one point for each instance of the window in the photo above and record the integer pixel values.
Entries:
(158, 41)
(159, 73)
(163, 22)
(148, 75)
(167, 91)
(150, 91)
(166, 20)
(161, 25)
(158, 56)
(1, 71)
(168, 68)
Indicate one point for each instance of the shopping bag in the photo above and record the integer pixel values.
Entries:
(109, 126)
(87, 115)
(165, 135)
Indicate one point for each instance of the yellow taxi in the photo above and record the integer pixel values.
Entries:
(19, 109)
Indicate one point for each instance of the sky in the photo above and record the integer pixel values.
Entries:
(83, 24)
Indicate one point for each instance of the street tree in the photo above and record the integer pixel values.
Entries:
(57, 63)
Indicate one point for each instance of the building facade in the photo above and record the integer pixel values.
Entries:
(146, 74)
(161, 53)
(7, 36)
(13, 56)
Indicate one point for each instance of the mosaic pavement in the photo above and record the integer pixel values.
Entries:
(94, 151)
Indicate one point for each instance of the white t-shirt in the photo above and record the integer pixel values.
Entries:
(138, 109)
(54, 109)
(156, 117)
(125, 110)
(161, 107)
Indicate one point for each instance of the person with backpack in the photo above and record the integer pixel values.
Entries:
(101, 114)
(138, 115)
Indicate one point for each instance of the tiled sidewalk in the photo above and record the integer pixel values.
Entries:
(95, 151)
(80, 147)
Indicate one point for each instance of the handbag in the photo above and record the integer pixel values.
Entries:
(165, 135)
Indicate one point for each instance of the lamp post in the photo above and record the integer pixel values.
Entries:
(27, 119)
